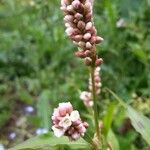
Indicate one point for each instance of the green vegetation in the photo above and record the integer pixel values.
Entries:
(38, 67)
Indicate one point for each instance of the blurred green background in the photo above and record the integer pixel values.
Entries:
(38, 68)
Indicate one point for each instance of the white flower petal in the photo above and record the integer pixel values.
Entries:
(58, 132)
(74, 115)
(65, 122)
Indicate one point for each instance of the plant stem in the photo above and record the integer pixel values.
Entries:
(95, 103)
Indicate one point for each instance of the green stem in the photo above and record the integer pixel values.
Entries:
(95, 103)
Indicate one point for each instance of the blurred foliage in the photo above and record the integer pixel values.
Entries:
(36, 56)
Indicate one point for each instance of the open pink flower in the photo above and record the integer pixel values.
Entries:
(67, 121)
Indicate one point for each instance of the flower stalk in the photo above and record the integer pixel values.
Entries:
(95, 103)
(80, 28)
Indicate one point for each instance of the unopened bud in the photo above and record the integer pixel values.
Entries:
(88, 61)
(81, 44)
(86, 125)
(63, 8)
(65, 2)
(81, 25)
(78, 38)
(93, 30)
(75, 20)
(74, 42)
(88, 26)
(87, 53)
(97, 79)
(98, 85)
(68, 18)
(67, 25)
(76, 4)
(87, 7)
(78, 16)
(88, 45)
(88, 16)
(99, 61)
(87, 36)
(70, 8)
(99, 39)
(69, 31)
(93, 39)
(80, 54)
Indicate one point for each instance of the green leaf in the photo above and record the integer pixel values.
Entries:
(113, 140)
(43, 108)
(107, 120)
(140, 123)
(51, 142)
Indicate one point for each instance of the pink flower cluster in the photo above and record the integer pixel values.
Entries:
(86, 96)
(67, 121)
(80, 28)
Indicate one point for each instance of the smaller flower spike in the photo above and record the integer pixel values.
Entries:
(86, 96)
(67, 121)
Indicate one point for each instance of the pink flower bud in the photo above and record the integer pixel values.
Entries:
(78, 16)
(87, 7)
(68, 107)
(63, 8)
(81, 25)
(81, 44)
(87, 36)
(99, 61)
(88, 26)
(97, 79)
(99, 39)
(76, 4)
(67, 25)
(75, 136)
(88, 45)
(62, 111)
(88, 61)
(68, 18)
(93, 39)
(87, 53)
(93, 30)
(89, 16)
(80, 54)
(71, 131)
(86, 125)
(76, 123)
(78, 38)
(65, 2)
(70, 8)
(81, 128)
(69, 31)
(75, 21)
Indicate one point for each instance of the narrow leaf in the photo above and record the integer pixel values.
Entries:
(107, 120)
(140, 123)
(113, 140)
(51, 142)
(43, 108)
